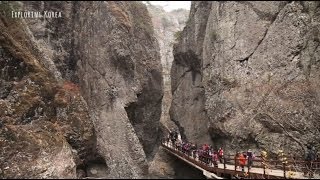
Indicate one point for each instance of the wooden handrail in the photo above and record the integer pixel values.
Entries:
(206, 160)
(274, 164)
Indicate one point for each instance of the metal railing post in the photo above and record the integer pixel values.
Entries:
(224, 165)
(235, 163)
(284, 170)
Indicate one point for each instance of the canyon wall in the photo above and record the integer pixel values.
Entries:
(166, 26)
(45, 129)
(246, 75)
(120, 70)
(81, 94)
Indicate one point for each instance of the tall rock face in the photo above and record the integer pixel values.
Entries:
(187, 108)
(246, 75)
(91, 80)
(120, 70)
(45, 127)
(166, 25)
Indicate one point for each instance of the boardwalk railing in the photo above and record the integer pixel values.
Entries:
(272, 169)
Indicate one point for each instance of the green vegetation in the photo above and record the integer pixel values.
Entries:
(213, 36)
(188, 22)
(6, 7)
(177, 35)
(141, 16)
(165, 22)
(231, 83)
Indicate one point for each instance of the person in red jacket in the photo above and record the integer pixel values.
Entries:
(220, 154)
(215, 159)
(242, 161)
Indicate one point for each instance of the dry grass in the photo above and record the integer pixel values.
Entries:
(141, 17)
(120, 14)
(14, 38)
(71, 87)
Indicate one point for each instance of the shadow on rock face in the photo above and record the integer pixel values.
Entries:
(97, 168)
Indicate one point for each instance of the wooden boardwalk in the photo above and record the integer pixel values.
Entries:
(229, 169)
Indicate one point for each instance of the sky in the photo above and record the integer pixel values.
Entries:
(171, 5)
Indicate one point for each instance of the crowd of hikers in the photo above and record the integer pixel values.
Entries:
(207, 154)
(210, 156)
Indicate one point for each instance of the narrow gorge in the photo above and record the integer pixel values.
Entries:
(93, 92)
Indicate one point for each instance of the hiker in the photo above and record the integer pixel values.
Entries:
(173, 137)
(215, 159)
(167, 139)
(205, 153)
(193, 150)
(220, 154)
(250, 157)
(242, 161)
(207, 148)
(310, 157)
(179, 137)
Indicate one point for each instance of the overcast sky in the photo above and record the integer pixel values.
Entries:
(171, 5)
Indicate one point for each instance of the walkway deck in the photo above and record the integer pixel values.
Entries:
(213, 172)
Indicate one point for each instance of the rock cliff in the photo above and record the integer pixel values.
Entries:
(80, 94)
(45, 127)
(120, 70)
(166, 25)
(246, 75)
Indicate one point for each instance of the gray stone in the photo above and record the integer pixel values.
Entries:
(109, 50)
(166, 26)
(247, 74)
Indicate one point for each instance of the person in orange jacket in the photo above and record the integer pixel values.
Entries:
(242, 161)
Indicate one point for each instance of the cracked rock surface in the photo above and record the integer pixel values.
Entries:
(94, 76)
(246, 75)
(45, 130)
